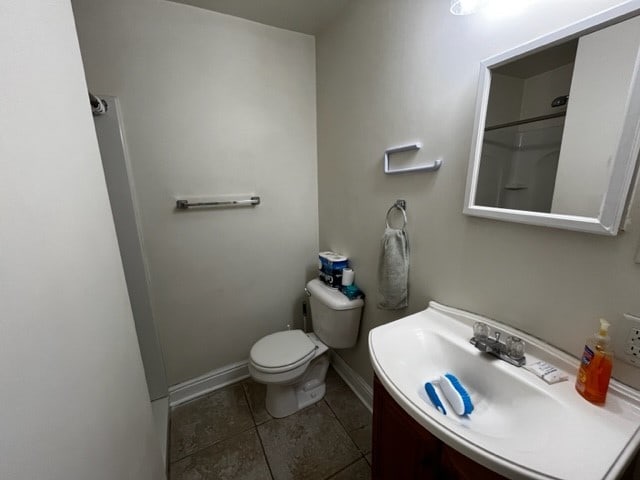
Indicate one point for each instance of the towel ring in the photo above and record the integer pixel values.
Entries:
(404, 215)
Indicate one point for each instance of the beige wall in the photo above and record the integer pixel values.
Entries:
(392, 71)
(74, 401)
(213, 104)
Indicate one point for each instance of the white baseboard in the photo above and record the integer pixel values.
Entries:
(185, 391)
(221, 377)
(361, 388)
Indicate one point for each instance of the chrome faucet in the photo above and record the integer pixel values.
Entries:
(512, 350)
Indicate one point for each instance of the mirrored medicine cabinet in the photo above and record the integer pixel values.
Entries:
(557, 128)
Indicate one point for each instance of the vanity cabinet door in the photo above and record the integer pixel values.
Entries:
(456, 466)
(404, 450)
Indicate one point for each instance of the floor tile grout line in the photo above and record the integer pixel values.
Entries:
(244, 387)
(344, 428)
(346, 466)
(362, 454)
(253, 416)
(316, 405)
(240, 383)
(346, 387)
(264, 454)
(255, 427)
(209, 445)
(246, 398)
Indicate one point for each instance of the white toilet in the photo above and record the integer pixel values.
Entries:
(293, 364)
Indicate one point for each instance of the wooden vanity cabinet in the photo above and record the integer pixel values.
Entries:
(405, 450)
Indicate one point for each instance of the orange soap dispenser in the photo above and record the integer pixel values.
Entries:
(594, 373)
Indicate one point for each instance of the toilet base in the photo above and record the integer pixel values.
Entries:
(285, 400)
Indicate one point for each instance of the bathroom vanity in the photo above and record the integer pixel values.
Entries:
(520, 428)
(404, 449)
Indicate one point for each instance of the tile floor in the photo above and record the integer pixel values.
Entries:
(228, 434)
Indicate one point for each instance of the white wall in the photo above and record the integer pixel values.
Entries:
(116, 166)
(74, 400)
(599, 93)
(540, 90)
(391, 71)
(213, 104)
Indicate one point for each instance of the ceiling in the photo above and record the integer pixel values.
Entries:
(305, 16)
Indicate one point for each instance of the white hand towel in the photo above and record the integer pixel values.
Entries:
(393, 270)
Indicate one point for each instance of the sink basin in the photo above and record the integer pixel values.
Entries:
(496, 407)
(521, 427)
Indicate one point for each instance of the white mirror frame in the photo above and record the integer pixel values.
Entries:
(624, 163)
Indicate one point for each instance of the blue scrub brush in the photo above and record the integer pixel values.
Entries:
(453, 391)
(433, 395)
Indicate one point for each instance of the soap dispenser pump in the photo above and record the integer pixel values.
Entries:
(592, 381)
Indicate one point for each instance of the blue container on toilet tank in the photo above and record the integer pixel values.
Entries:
(330, 266)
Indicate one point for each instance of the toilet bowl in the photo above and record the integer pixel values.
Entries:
(294, 364)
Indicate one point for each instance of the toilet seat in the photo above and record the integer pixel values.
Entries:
(282, 351)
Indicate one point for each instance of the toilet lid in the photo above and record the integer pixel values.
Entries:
(282, 349)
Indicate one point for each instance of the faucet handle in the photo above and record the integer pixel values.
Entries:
(515, 347)
(480, 330)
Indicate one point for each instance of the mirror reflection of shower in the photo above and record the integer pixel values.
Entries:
(528, 101)
(519, 166)
(578, 84)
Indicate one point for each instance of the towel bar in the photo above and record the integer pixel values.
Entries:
(185, 204)
(431, 167)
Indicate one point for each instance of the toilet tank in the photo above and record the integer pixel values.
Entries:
(335, 318)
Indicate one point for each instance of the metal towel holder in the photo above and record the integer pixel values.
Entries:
(186, 204)
(399, 205)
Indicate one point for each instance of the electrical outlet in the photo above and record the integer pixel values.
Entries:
(632, 349)
(631, 346)
(632, 354)
(634, 336)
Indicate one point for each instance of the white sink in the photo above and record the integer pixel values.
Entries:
(521, 427)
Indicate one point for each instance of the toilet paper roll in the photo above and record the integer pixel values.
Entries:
(348, 275)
